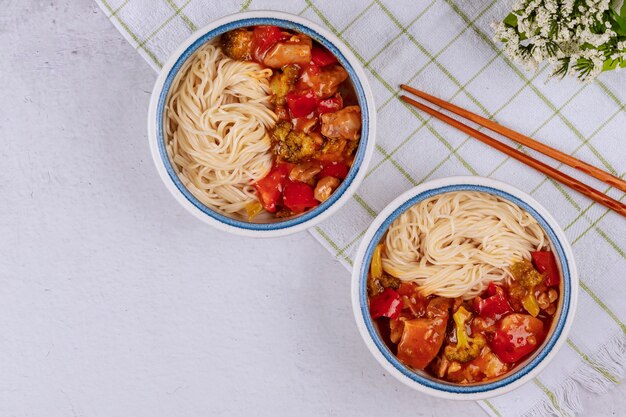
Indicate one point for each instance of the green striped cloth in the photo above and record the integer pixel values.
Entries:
(445, 47)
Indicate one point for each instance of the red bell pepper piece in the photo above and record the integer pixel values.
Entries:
(298, 196)
(546, 264)
(517, 336)
(386, 304)
(336, 169)
(302, 103)
(309, 72)
(494, 306)
(270, 187)
(263, 38)
(330, 105)
(322, 56)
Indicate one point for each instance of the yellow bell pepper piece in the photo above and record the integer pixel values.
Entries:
(376, 267)
(530, 303)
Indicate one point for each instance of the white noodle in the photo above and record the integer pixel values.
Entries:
(454, 244)
(217, 116)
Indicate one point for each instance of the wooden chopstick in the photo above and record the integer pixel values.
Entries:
(588, 169)
(526, 159)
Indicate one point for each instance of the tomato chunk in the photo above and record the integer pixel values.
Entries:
(546, 264)
(386, 304)
(270, 187)
(263, 38)
(298, 196)
(322, 56)
(302, 103)
(517, 336)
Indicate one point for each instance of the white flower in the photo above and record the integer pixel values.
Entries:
(560, 31)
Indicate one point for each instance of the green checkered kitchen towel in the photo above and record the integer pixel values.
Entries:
(445, 47)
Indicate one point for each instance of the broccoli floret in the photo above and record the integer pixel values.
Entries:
(378, 285)
(237, 44)
(293, 146)
(283, 82)
(466, 348)
(526, 274)
(281, 130)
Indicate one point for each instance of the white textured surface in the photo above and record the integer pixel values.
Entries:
(114, 300)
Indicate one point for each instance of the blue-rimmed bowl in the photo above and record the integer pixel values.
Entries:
(525, 371)
(263, 226)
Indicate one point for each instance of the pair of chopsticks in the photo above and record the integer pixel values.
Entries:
(582, 188)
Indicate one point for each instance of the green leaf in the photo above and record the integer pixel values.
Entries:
(618, 22)
(611, 64)
(511, 20)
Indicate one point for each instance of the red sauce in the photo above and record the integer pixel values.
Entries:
(464, 341)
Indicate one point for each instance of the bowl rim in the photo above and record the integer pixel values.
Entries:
(448, 390)
(293, 224)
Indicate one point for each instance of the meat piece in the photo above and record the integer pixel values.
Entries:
(342, 124)
(422, 338)
(484, 367)
(421, 341)
(301, 38)
(396, 328)
(490, 365)
(324, 81)
(287, 53)
(325, 188)
(438, 307)
(237, 44)
(305, 172)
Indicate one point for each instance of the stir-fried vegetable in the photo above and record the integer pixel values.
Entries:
(517, 336)
(330, 105)
(263, 38)
(298, 146)
(283, 82)
(494, 306)
(545, 263)
(253, 209)
(378, 285)
(335, 169)
(322, 57)
(386, 304)
(376, 267)
(466, 348)
(298, 196)
(324, 81)
(302, 103)
(530, 303)
(526, 274)
(237, 44)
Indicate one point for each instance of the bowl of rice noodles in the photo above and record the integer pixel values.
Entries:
(262, 124)
(464, 288)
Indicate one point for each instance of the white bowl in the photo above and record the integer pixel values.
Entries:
(523, 372)
(272, 227)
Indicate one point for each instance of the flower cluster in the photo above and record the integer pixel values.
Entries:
(577, 37)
